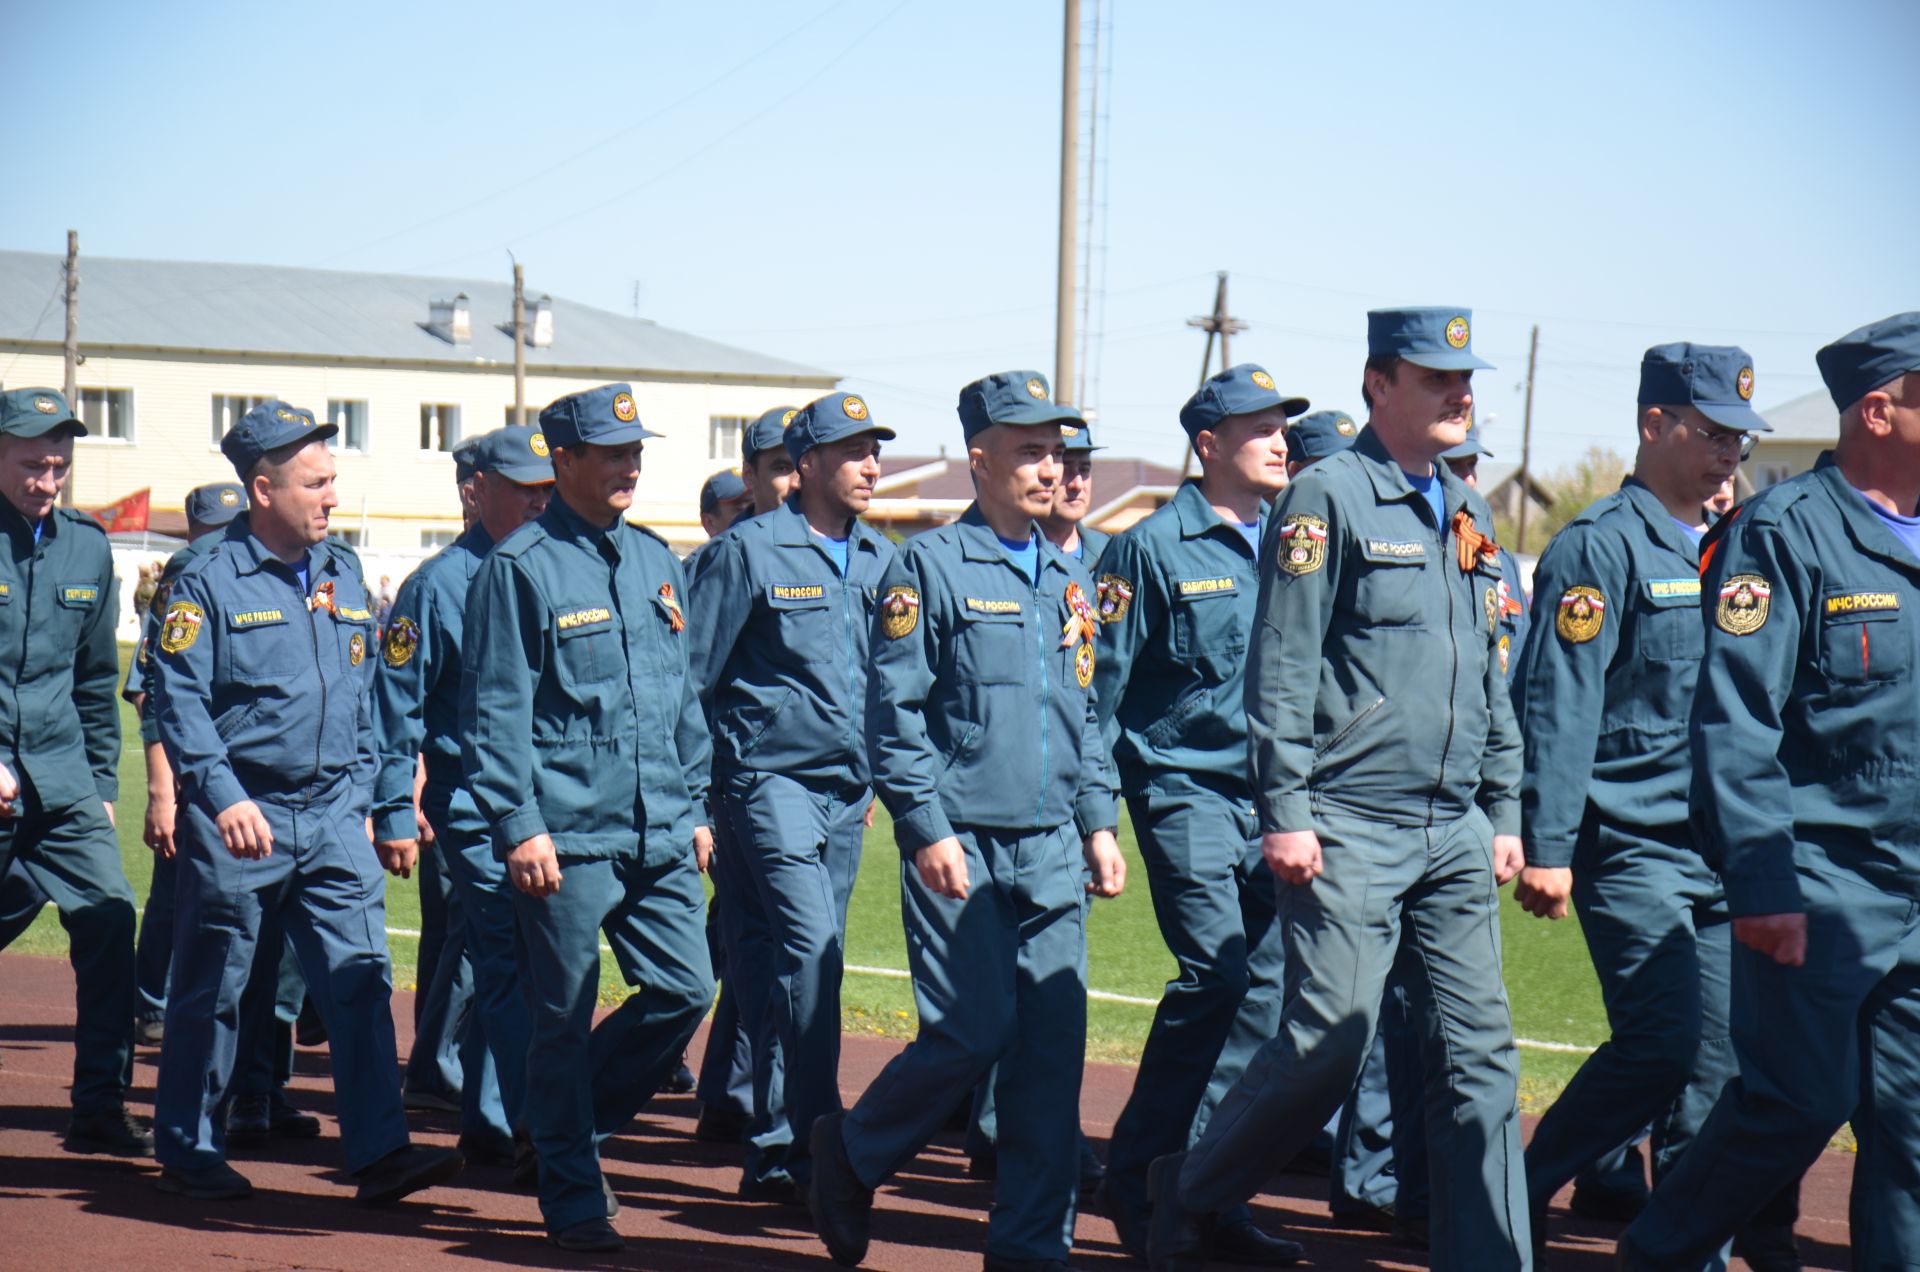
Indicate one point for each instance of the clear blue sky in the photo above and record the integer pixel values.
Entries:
(870, 185)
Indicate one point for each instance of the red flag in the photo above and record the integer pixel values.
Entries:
(126, 516)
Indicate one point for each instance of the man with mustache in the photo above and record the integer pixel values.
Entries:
(783, 609)
(1386, 784)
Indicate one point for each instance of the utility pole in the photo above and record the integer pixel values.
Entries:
(69, 385)
(1526, 438)
(519, 343)
(1069, 204)
(1224, 325)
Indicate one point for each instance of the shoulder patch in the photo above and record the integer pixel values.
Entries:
(403, 638)
(181, 627)
(899, 612)
(1744, 602)
(1581, 612)
(1303, 544)
(1112, 595)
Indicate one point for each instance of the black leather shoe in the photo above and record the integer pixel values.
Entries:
(1092, 1173)
(113, 1131)
(1246, 1245)
(405, 1171)
(436, 1101)
(148, 1033)
(1767, 1249)
(778, 1190)
(526, 1162)
(309, 1030)
(842, 1206)
(1129, 1222)
(1372, 1218)
(720, 1126)
(255, 1119)
(983, 1165)
(1612, 1205)
(489, 1150)
(589, 1236)
(1177, 1239)
(995, 1263)
(682, 1082)
(208, 1183)
(1412, 1232)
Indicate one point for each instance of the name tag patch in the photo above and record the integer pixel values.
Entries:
(80, 595)
(977, 605)
(353, 615)
(255, 618)
(798, 591)
(1396, 550)
(1205, 587)
(1863, 602)
(583, 618)
(1661, 589)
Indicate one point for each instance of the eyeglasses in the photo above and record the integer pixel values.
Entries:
(1721, 440)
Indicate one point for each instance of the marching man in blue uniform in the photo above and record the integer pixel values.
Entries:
(1806, 759)
(782, 613)
(416, 710)
(587, 757)
(1386, 771)
(260, 691)
(1603, 702)
(986, 749)
(1065, 523)
(1176, 600)
(60, 752)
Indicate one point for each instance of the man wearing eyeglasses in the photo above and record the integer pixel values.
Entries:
(1603, 693)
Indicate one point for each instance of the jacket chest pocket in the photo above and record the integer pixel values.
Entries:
(74, 602)
(1865, 637)
(353, 637)
(1207, 621)
(588, 644)
(992, 645)
(809, 623)
(1387, 591)
(266, 646)
(1672, 628)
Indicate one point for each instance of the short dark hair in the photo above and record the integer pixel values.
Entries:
(1387, 364)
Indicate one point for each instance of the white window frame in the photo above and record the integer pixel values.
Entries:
(442, 414)
(229, 407)
(339, 413)
(724, 435)
(434, 540)
(103, 435)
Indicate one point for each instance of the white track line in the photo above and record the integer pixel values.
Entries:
(1098, 995)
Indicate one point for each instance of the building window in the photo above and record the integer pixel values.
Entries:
(437, 539)
(723, 436)
(533, 415)
(350, 417)
(1774, 474)
(227, 410)
(349, 537)
(108, 413)
(439, 426)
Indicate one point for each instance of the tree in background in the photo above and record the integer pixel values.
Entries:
(1569, 491)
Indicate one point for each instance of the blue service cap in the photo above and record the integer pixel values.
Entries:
(1861, 361)
(1240, 390)
(767, 432)
(517, 452)
(1078, 437)
(1312, 438)
(1019, 398)
(1435, 337)
(268, 427)
(215, 504)
(463, 468)
(1716, 380)
(37, 412)
(1470, 447)
(605, 416)
(829, 419)
(722, 486)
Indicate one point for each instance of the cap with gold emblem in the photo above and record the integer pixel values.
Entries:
(1020, 398)
(1715, 380)
(268, 427)
(517, 452)
(605, 416)
(1439, 338)
(215, 504)
(1312, 438)
(767, 432)
(37, 412)
(829, 419)
(1245, 389)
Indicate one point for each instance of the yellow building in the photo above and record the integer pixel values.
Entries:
(175, 352)
(1802, 428)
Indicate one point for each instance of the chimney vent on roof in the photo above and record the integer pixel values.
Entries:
(540, 323)
(450, 320)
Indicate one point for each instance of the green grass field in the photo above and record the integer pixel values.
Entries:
(1550, 983)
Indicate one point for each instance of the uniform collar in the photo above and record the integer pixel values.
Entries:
(1643, 501)
(475, 539)
(19, 527)
(789, 528)
(1390, 484)
(979, 542)
(564, 523)
(1868, 531)
(254, 557)
(1196, 516)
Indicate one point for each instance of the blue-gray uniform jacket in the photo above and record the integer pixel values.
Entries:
(578, 718)
(1093, 545)
(1812, 610)
(140, 666)
(1516, 619)
(780, 648)
(259, 686)
(1604, 691)
(416, 689)
(978, 712)
(1375, 686)
(59, 722)
(1176, 596)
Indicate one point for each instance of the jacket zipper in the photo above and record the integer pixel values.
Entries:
(1453, 681)
(1040, 637)
(1349, 727)
(319, 733)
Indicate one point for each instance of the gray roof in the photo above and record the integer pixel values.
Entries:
(1808, 418)
(332, 314)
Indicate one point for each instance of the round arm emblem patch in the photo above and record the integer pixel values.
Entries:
(1580, 614)
(1744, 601)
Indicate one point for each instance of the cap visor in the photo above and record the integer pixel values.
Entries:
(1739, 417)
(220, 516)
(1041, 413)
(27, 427)
(625, 435)
(1295, 406)
(1447, 361)
(525, 474)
